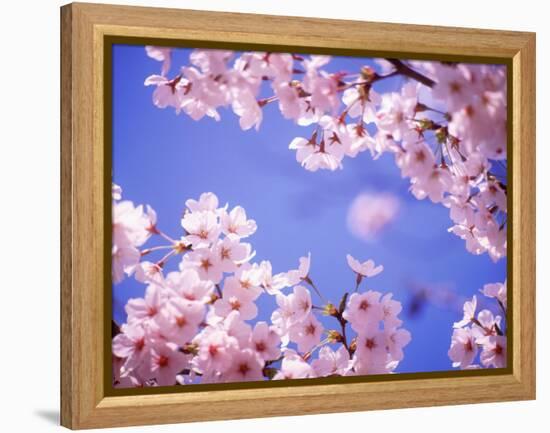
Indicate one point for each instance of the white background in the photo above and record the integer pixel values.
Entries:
(29, 215)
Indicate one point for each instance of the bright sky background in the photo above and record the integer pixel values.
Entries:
(162, 159)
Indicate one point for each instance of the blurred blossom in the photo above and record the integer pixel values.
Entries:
(370, 213)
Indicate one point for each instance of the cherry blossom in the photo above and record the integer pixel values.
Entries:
(295, 276)
(369, 214)
(469, 313)
(265, 341)
(366, 269)
(445, 127)
(246, 365)
(446, 124)
(236, 224)
(206, 202)
(371, 354)
(306, 333)
(364, 310)
(202, 228)
(236, 298)
(332, 362)
(198, 324)
(166, 362)
(294, 366)
(494, 351)
(162, 54)
(463, 348)
(496, 290)
(483, 334)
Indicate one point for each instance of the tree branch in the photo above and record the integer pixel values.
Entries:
(405, 70)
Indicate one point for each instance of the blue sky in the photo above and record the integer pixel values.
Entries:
(162, 159)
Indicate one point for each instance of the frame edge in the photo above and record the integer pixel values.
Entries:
(66, 86)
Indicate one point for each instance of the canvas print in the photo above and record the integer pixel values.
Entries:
(289, 216)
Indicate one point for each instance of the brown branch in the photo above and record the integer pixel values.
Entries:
(405, 70)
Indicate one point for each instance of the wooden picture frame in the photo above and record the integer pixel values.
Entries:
(85, 28)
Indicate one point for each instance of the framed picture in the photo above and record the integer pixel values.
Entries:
(269, 216)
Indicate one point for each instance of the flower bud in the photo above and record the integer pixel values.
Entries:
(330, 310)
(334, 336)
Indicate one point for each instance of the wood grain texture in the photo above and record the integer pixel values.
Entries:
(83, 400)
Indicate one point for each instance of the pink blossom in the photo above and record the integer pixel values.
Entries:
(306, 333)
(486, 324)
(232, 253)
(366, 269)
(249, 111)
(203, 95)
(492, 193)
(476, 164)
(364, 311)
(235, 326)
(361, 101)
(147, 272)
(397, 110)
(179, 320)
(470, 235)
(130, 224)
(245, 366)
(211, 62)
(302, 273)
(371, 349)
(356, 139)
(463, 348)
(396, 339)
(272, 284)
(496, 290)
(250, 277)
(469, 313)
(332, 362)
(236, 298)
(168, 93)
(162, 54)
(433, 184)
(322, 86)
(494, 352)
(328, 157)
(143, 309)
(391, 309)
(166, 362)
(303, 147)
(235, 223)
(215, 351)
(417, 159)
(182, 332)
(187, 285)
(125, 258)
(116, 191)
(293, 366)
(369, 214)
(292, 308)
(206, 262)
(131, 345)
(461, 211)
(453, 85)
(207, 202)
(202, 228)
(265, 341)
(290, 103)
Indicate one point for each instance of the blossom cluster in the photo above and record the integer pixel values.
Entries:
(199, 323)
(446, 127)
(481, 333)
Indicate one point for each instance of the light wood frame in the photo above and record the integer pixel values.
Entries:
(84, 403)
